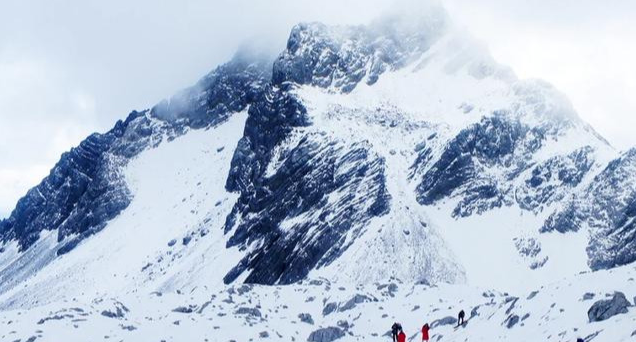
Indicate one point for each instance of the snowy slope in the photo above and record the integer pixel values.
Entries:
(178, 196)
(555, 312)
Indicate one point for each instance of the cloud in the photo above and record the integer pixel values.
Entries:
(583, 47)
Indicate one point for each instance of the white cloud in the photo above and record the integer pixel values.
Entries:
(585, 48)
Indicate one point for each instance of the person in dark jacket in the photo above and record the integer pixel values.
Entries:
(394, 331)
(460, 318)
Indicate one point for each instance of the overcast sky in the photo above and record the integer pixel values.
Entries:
(72, 67)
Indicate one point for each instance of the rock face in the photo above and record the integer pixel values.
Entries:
(85, 189)
(326, 334)
(604, 309)
(607, 206)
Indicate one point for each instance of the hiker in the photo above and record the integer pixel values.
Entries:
(460, 318)
(425, 329)
(401, 336)
(394, 331)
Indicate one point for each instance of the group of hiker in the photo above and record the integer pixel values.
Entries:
(397, 332)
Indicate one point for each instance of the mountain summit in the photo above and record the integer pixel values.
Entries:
(398, 152)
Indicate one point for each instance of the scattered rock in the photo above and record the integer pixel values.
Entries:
(119, 311)
(306, 318)
(263, 334)
(172, 242)
(184, 309)
(588, 296)
(326, 334)
(253, 312)
(351, 303)
(606, 308)
(474, 312)
(532, 295)
(512, 306)
(448, 320)
(329, 308)
(511, 321)
(186, 240)
(245, 288)
(53, 318)
(343, 324)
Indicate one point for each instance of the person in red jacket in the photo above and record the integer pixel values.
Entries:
(425, 329)
(401, 336)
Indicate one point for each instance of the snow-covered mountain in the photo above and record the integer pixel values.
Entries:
(360, 160)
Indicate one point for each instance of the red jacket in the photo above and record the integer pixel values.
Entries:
(425, 332)
(402, 337)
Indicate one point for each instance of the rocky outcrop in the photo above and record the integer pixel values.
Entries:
(607, 308)
(326, 334)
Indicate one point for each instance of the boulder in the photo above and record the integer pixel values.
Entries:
(511, 321)
(351, 303)
(448, 320)
(326, 334)
(329, 308)
(306, 318)
(252, 312)
(588, 296)
(606, 308)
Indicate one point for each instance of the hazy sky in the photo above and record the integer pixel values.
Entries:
(69, 68)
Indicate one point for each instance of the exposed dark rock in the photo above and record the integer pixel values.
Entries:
(184, 309)
(306, 318)
(532, 294)
(54, 318)
(343, 324)
(511, 321)
(252, 312)
(329, 308)
(606, 308)
(448, 320)
(326, 334)
(351, 303)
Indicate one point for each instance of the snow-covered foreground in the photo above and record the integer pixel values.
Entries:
(555, 312)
